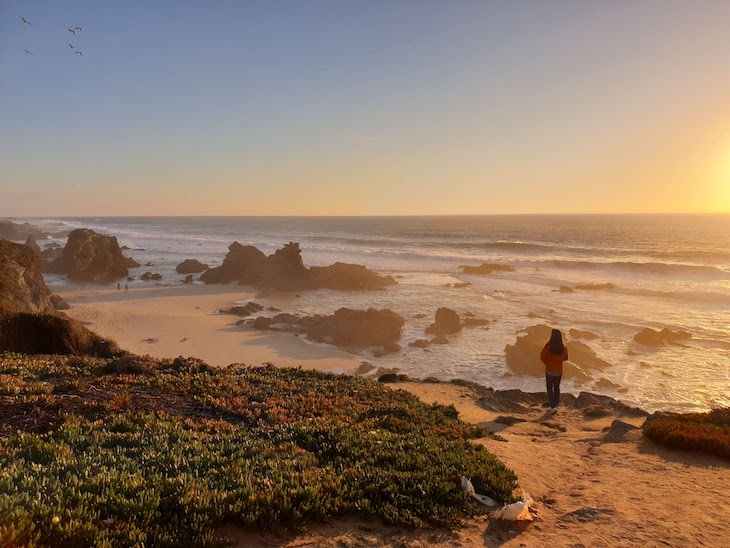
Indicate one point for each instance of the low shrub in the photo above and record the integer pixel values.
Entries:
(115, 457)
(706, 432)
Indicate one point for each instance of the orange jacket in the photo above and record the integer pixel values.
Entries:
(553, 362)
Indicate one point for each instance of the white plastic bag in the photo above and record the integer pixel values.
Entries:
(469, 489)
(517, 511)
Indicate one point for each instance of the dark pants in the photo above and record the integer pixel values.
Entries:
(553, 389)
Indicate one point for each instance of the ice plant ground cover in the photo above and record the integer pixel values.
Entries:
(133, 450)
(706, 432)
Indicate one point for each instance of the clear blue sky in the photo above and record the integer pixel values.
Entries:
(371, 107)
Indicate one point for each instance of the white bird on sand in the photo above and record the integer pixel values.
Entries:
(24, 20)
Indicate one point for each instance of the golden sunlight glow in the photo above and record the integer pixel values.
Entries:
(722, 182)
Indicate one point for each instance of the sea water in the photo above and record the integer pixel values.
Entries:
(668, 271)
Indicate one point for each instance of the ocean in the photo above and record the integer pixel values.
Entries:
(666, 270)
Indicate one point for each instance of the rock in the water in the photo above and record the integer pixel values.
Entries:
(50, 334)
(22, 288)
(565, 289)
(390, 348)
(581, 334)
(486, 268)
(191, 266)
(447, 322)
(523, 357)
(419, 343)
(653, 337)
(439, 339)
(149, 276)
(474, 322)
(18, 232)
(262, 322)
(285, 270)
(188, 279)
(59, 303)
(89, 256)
(245, 310)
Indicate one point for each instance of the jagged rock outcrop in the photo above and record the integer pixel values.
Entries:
(50, 334)
(33, 245)
(523, 357)
(486, 268)
(22, 288)
(151, 276)
(188, 279)
(89, 256)
(348, 328)
(191, 266)
(285, 270)
(130, 263)
(653, 337)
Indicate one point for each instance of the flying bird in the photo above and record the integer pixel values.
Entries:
(24, 20)
(77, 28)
(77, 53)
(72, 31)
(28, 52)
(70, 45)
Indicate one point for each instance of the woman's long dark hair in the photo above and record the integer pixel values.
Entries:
(556, 342)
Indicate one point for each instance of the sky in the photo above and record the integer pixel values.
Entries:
(376, 107)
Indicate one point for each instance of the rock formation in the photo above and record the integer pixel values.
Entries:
(191, 266)
(19, 232)
(285, 270)
(448, 322)
(245, 310)
(486, 268)
(652, 337)
(89, 256)
(149, 276)
(22, 288)
(348, 328)
(523, 357)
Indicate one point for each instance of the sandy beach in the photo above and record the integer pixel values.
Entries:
(590, 490)
(169, 321)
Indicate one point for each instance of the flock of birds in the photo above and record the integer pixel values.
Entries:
(72, 30)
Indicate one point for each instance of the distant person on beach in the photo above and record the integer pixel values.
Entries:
(126, 288)
(119, 286)
(553, 354)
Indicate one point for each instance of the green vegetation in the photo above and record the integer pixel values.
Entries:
(706, 432)
(131, 451)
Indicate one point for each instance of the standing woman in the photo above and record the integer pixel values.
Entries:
(553, 354)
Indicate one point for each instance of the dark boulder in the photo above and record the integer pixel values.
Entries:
(419, 343)
(22, 288)
(191, 266)
(150, 276)
(447, 322)
(354, 328)
(50, 334)
(390, 348)
(246, 310)
(33, 245)
(243, 264)
(474, 322)
(188, 279)
(439, 339)
(89, 256)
